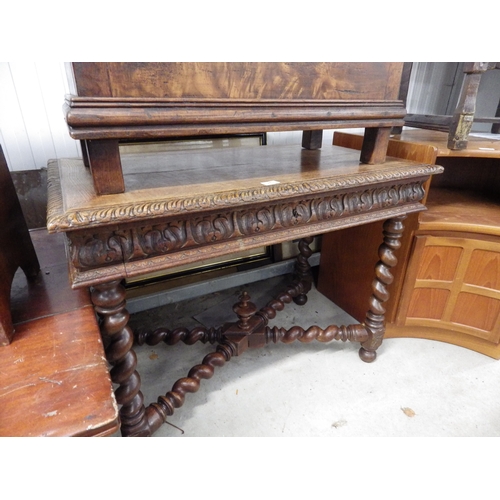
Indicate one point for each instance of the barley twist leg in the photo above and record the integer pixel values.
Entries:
(109, 304)
(303, 270)
(165, 406)
(351, 333)
(375, 317)
(172, 337)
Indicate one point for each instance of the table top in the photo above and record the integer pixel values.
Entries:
(183, 207)
(160, 185)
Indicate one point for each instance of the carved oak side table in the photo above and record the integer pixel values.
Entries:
(130, 216)
(192, 205)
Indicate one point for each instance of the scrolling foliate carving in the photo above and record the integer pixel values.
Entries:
(96, 250)
(158, 239)
(59, 219)
(170, 236)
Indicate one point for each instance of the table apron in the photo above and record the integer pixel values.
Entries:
(98, 255)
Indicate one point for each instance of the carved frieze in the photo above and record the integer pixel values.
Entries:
(94, 249)
(60, 218)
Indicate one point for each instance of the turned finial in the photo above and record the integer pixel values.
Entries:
(244, 309)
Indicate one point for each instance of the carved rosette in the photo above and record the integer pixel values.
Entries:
(104, 247)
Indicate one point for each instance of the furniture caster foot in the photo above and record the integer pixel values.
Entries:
(367, 356)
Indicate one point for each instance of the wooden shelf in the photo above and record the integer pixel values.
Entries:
(461, 210)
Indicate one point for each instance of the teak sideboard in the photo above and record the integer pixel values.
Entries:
(447, 283)
(125, 216)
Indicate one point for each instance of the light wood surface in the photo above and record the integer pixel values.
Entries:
(464, 210)
(477, 147)
(455, 285)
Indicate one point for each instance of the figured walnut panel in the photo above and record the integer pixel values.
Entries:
(239, 80)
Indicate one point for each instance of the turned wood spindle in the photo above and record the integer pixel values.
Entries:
(303, 270)
(375, 317)
(109, 304)
(244, 309)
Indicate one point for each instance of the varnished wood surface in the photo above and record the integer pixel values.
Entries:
(450, 290)
(112, 118)
(454, 282)
(477, 147)
(461, 210)
(160, 185)
(54, 378)
(443, 335)
(401, 148)
(239, 80)
(132, 101)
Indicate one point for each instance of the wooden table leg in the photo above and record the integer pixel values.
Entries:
(303, 271)
(375, 317)
(312, 139)
(103, 157)
(375, 143)
(109, 303)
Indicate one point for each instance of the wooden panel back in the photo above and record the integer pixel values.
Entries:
(239, 80)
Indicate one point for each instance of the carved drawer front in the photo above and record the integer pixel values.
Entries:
(454, 283)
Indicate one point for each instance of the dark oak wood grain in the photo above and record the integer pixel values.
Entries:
(189, 206)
